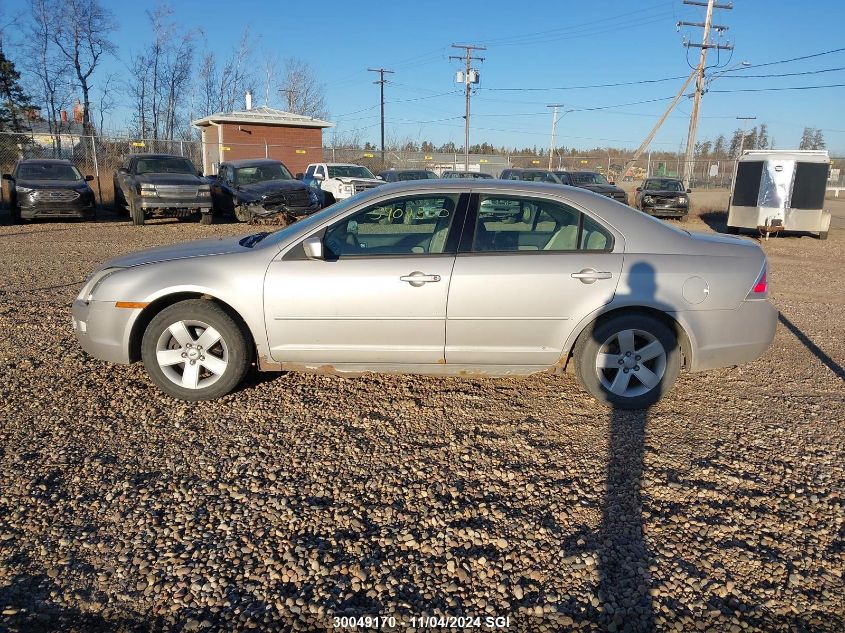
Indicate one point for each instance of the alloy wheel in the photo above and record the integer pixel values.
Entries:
(631, 363)
(192, 354)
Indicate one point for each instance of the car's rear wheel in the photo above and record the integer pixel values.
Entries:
(193, 350)
(628, 361)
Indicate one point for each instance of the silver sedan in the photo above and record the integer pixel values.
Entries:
(457, 277)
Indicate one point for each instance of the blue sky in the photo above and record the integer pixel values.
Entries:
(533, 45)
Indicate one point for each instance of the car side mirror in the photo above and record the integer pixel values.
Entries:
(639, 189)
(7, 176)
(300, 176)
(689, 190)
(313, 247)
(380, 177)
(89, 178)
(318, 177)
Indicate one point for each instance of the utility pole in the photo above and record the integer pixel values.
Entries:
(554, 129)
(381, 81)
(707, 25)
(470, 77)
(744, 120)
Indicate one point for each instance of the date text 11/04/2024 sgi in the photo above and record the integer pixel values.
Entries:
(380, 622)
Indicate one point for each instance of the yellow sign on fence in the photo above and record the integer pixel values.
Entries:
(368, 155)
(428, 158)
(225, 148)
(535, 162)
(300, 151)
(483, 160)
(138, 144)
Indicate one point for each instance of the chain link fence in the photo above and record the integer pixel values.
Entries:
(100, 156)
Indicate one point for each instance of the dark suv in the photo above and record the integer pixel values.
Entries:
(49, 188)
(464, 174)
(260, 188)
(595, 182)
(663, 198)
(148, 184)
(533, 175)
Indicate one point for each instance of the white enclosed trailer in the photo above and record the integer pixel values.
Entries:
(780, 190)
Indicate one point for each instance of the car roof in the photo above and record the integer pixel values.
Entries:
(45, 161)
(339, 164)
(157, 156)
(400, 171)
(252, 162)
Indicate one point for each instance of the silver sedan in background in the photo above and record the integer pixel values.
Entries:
(439, 277)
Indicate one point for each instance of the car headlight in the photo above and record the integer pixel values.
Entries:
(204, 191)
(682, 199)
(147, 190)
(347, 188)
(648, 199)
(94, 280)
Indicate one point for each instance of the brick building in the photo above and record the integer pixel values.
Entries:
(262, 132)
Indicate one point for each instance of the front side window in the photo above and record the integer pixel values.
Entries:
(310, 171)
(411, 225)
(510, 224)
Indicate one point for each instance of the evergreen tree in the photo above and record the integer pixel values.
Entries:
(818, 139)
(751, 139)
(763, 137)
(736, 139)
(14, 102)
(719, 146)
(806, 139)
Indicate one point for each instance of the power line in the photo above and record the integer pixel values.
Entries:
(780, 88)
(791, 59)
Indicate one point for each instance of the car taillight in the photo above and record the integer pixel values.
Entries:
(760, 288)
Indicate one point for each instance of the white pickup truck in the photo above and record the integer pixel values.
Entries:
(338, 181)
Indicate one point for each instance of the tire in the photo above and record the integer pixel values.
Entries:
(733, 230)
(823, 235)
(119, 204)
(15, 215)
(683, 218)
(192, 319)
(328, 199)
(638, 332)
(136, 213)
(206, 218)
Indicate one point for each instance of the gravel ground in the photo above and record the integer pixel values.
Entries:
(304, 497)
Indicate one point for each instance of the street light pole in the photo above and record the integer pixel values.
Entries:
(554, 129)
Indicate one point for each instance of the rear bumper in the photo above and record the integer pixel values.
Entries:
(724, 338)
(103, 330)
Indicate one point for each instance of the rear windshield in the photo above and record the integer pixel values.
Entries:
(165, 165)
(261, 173)
(48, 171)
(349, 171)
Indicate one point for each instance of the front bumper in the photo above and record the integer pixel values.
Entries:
(262, 212)
(203, 205)
(58, 210)
(103, 330)
(724, 338)
(666, 212)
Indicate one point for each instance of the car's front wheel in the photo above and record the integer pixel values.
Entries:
(628, 361)
(193, 350)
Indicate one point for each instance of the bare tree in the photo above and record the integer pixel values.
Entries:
(51, 72)
(304, 94)
(221, 87)
(82, 35)
(107, 100)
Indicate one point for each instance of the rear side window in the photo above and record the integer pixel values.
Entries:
(809, 188)
(747, 185)
(513, 224)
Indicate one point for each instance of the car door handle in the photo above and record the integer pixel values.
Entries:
(589, 276)
(418, 278)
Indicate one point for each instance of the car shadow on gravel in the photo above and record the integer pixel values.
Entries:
(814, 349)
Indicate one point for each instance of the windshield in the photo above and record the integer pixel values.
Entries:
(261, 173)
(48, 171)
(415, 175)
(349, 171)
(663, 185)
(588, 178)
(165, 165)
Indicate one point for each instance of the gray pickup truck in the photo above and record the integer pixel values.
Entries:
(161, 184)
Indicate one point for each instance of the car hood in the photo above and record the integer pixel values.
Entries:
(185, 250)
(605, 189)
(662, 192)
(52, 184)
(258, 189)
(170, 179)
